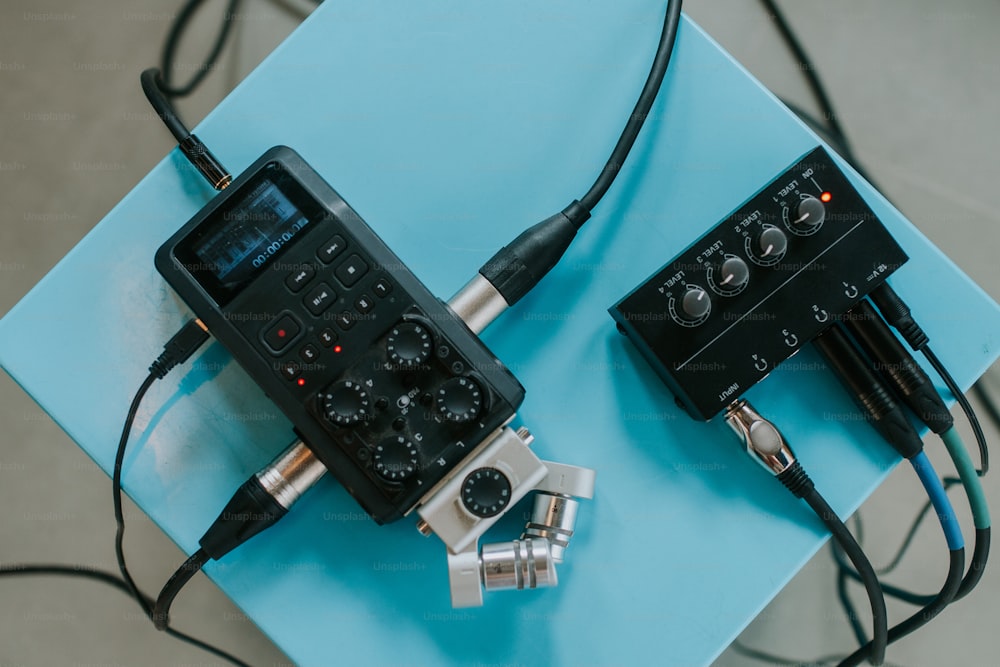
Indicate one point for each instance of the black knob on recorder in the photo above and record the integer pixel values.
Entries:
(395, 459)
(486, 492)
(345, 403)
(459, 400)
(409, 344)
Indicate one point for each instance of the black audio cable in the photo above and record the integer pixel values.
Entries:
(901, 371)
(764, 443)
(898, 315)
(988, 401)
(183, 20)
(517, 267)
(828, 124)
(180, 347)
(258, 504)
(191, 146)
(161, 607)
(873, 651)
(159, 90)
(843, 595)
(642, 106)
(972, 576)
(868, 392)
(774, 659)
(177, 28)
(60, 570)
(956, 566)
(177, 350)
(808, 69)
(878, 404)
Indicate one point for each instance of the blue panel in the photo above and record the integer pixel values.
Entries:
(450, 126)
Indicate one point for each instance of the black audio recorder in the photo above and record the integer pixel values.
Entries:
(759, 285)
(382, 381)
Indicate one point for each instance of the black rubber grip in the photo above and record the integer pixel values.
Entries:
(868, 392)
(522, 263)
(250, 511)
(897, 313)
(898, 367)
(796, 480)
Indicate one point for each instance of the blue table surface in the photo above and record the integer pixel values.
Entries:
(450, 126)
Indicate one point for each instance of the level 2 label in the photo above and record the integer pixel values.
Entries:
(747, 221)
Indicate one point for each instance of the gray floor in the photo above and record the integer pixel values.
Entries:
(915, 82)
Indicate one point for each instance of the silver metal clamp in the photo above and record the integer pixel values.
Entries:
(525, 563)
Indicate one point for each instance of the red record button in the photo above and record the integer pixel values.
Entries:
(281, 332)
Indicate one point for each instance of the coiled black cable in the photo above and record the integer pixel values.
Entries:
(956, 567)
(180, 24)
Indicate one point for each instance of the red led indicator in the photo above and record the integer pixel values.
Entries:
(301, 382)
(825, 197)
(281, 333)
(337, 349)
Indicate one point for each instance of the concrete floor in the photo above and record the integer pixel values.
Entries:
(916, 86)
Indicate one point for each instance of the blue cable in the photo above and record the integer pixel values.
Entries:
(942, 506)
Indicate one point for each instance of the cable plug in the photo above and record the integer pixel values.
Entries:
(251, 510)
(898, 367)
(517, 267)
(205, 162)
(257, 505)
(761, 439)
(897, 313)
(180, 347)
(765, 444)
(263, 500)
(191, 146)
(869, 394)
